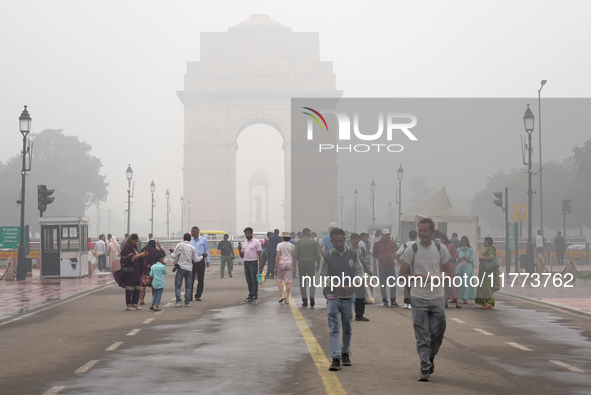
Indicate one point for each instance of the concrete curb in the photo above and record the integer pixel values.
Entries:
(560, 305)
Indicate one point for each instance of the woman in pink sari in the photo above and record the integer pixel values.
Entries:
(114, 249)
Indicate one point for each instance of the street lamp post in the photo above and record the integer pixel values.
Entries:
(182, 215)
(25, 127)
(332, 212)
(540, 171)
(528, 120)
(189, 216)
(129, 175)
(152, 189)
(342, 203)
(399, 200)
(355, 195)
(373, 208)
(390, 212)
(167, 214)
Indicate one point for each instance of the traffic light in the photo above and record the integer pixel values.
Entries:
(567, 206)
(44, 198)
(499, 199)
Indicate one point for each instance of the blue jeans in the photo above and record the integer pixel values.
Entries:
(178, 281)
(157, 296)
(340, 310)
(251, 270)
(386, 272)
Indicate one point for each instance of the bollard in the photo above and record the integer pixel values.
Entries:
(554, 260)
(11, 265)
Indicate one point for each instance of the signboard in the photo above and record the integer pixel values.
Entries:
(512, 236)
(520, 212)
(10, 236)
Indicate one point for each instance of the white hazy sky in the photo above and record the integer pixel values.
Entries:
(108, 71)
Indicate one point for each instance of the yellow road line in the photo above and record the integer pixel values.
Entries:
(332, 385)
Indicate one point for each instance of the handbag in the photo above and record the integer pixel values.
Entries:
(491, 265)
(146, 280)
(128, 269)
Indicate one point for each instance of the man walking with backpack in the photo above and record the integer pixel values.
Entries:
(422, 261)
(342, 265)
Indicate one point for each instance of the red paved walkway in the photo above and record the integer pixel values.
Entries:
(17, 297)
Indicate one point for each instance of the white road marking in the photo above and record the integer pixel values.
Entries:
(168, 304)
(84, 368)
(148, 320)
(133, 332)
(113, 346)
(519, 346)
(158, 312)
(569, 367)
(483, 332)
(54, 390)
(459, 321)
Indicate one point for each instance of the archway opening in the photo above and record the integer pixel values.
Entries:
(260, 179)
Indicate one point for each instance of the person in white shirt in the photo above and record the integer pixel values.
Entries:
(422, 260)
(539, 241)
(101, 252)
(412, 235)
(184, 255)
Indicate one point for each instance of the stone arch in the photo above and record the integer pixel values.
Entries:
(245, 76)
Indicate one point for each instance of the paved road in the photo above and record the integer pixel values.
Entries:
(220, 345)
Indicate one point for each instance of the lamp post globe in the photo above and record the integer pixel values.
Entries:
(24, 122)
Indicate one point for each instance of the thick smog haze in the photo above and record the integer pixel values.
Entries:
(109, 72)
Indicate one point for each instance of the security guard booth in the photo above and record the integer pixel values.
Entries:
(64, 247)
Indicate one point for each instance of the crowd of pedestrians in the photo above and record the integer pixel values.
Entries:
(307, 258)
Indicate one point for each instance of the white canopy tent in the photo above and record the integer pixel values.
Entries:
(447, 220)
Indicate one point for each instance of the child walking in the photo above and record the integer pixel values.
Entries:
(157, 272)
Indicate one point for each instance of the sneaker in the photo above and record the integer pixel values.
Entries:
(255, 301)
(336, 365)
(432, 360)
(178, 304)
(197, 299)
(362, 318)
(405, 306)
(230, 276)
(187, 305)
(247, 300)
(346, 360)
(282, 299)
(425, 376)
(386, 303)
(151, 307)
(222, 276)
(409, 306)
(286, 301)
(394, 304)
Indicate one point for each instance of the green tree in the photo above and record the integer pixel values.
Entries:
(61, 162)
(581, 186)
(418, 193)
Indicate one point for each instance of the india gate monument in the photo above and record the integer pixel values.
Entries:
(246, 76)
